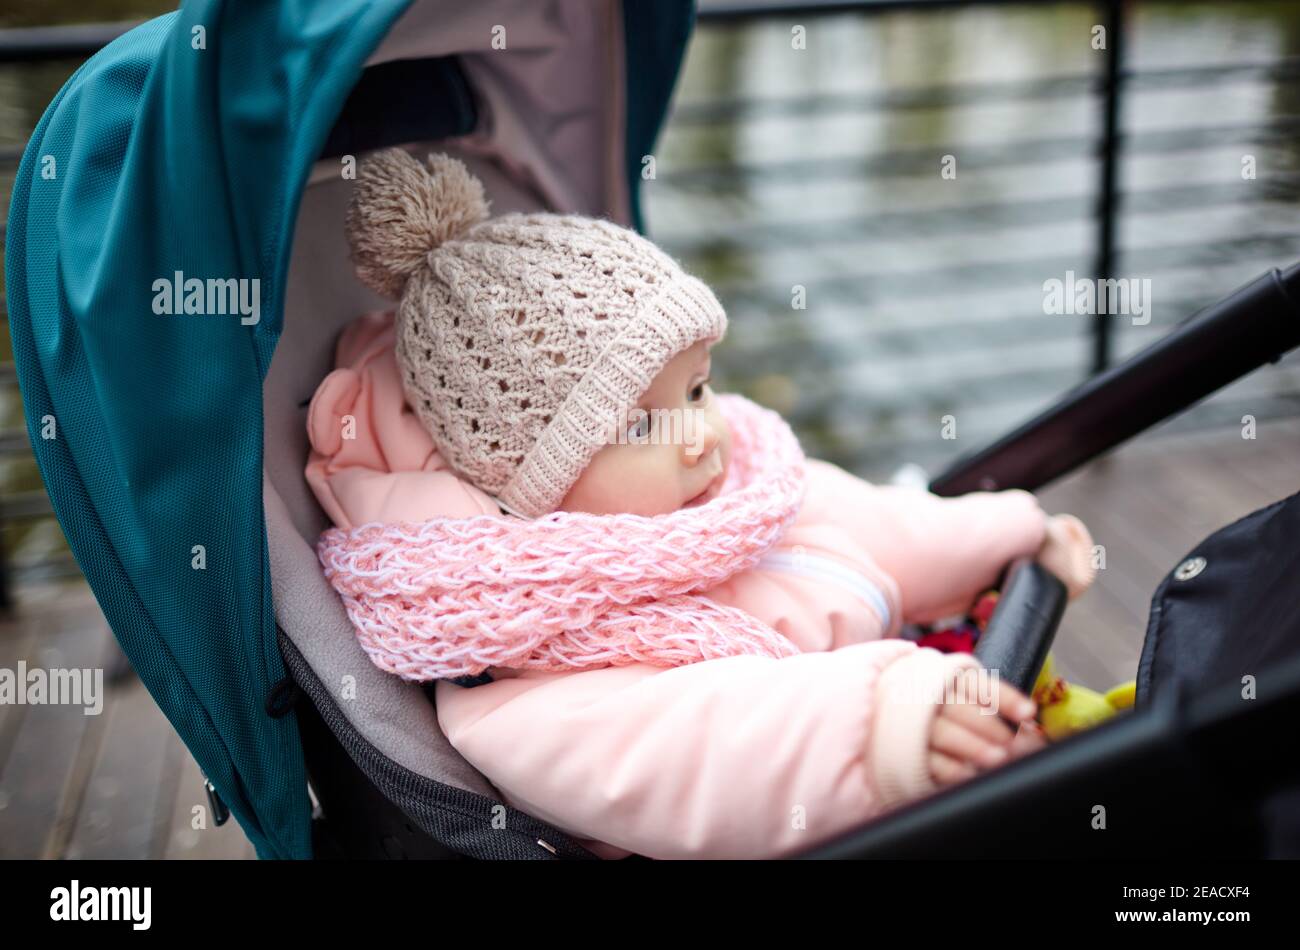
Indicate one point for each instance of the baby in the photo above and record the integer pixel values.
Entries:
(652, 478)
(541, 352)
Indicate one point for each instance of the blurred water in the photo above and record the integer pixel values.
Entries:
(925, 295)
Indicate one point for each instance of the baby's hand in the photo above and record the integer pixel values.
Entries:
(1067, 552)
(968, 733)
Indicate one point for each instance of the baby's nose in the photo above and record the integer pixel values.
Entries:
(705, 441)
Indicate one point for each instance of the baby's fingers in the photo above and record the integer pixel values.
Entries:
(1013, 704)
(951, 738)
(983, 696)
(979, 720)
(945, 770)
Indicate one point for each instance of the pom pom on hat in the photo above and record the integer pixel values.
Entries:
(402, 209)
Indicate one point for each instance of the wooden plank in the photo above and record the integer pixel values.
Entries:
(43, 774)
(1100, 639)
(118, 814)
(112, 787)
(1132, 569)
(1152, 518)
(1237, 498)
(1211, 491)
(74, 788)
(1073, 650)
(1133, 527)
(16, 638)
(1271, 461)
(37, 607)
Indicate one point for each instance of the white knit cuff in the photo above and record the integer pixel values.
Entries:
(683, 313)
(908, 696)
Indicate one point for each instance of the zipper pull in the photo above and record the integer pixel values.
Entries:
(220, 813)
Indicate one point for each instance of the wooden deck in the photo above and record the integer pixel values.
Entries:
(121, 784)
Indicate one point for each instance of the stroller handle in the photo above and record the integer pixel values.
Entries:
(1023, 624)
(1041, 804)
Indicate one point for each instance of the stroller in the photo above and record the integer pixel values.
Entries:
(215, 143)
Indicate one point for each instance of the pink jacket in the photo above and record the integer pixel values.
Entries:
(738, 757)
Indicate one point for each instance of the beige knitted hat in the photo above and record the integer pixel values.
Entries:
(523, 340)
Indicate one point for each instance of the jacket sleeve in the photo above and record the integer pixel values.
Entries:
(742, 757)
(943, 552)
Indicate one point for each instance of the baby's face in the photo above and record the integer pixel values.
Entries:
(674, 455)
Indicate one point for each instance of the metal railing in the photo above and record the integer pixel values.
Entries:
(714, 172)
(1108, 85)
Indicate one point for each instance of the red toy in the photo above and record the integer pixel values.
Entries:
(962, 637)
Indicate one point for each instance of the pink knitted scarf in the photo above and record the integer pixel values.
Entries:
(451, 597)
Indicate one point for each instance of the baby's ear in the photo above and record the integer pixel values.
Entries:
(335, 398)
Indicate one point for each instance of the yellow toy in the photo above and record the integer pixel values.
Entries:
(1066, 708)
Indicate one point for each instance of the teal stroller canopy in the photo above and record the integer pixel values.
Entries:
(148, 245)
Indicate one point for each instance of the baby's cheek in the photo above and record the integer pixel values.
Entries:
(656, 486)
(638, 480)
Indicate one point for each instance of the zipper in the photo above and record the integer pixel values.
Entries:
(832, 572)
(220, 813)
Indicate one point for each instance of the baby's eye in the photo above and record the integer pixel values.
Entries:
(640, 430)
(699, 389)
